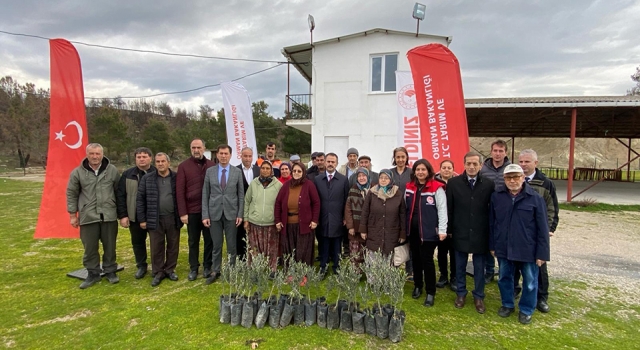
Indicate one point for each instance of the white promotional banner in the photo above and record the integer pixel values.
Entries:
(239, 119)
(408, 120)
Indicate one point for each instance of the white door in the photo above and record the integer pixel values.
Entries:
(338, 145)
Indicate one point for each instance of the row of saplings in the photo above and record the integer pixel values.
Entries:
(371, 308)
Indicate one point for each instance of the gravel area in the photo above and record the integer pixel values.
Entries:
(599, 249)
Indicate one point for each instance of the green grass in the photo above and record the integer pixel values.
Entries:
(42, 308)
(598, 207)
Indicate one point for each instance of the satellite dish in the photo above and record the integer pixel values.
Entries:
(312, 23)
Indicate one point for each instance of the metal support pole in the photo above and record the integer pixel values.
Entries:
(417, 27)
(629, 161)
(513, 149)
(572, 148)
(288, 87)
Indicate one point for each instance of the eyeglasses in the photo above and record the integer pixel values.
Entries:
(512, 178)
(297, 171)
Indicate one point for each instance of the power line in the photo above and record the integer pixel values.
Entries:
(150, 51)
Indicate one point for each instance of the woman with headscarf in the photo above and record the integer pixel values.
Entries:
(382, 223)
(259, 221)
(285, 172)
(427, 225)
(297, 210)
(352, 213)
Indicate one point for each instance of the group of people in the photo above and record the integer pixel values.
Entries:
(492, 209)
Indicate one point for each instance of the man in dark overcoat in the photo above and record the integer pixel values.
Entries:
(468, 198)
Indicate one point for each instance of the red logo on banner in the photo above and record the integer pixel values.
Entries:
(438, 88)
(67, 140)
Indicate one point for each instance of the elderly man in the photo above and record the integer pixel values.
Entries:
(364, 162)
(351, 166)
(157, 211)
(519, 238)
(468, 197)
(250, 172)
(126, 202)
(528, 160)
(91, 204)
(189, 182)
(222, 207)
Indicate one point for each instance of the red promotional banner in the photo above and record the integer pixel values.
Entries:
(443, 118)
(67, 140)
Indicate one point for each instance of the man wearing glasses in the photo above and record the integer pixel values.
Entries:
(519, 238)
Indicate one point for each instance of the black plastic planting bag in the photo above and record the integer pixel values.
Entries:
(263, 315)
(247, 314)
(396, 327)
(388, 309)
(342, 305)
(310, 311)
(236, 312)
(225, 311)
(370, 324)
(382, 325)
(274, 313)
(357, 320)
(298, 313)
(346, 324)
(323, 310)
(333, 317)
(287, 315)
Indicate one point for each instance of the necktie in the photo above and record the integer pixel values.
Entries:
(472, 182)
(330, 177)
(223, 179)
(527, 178)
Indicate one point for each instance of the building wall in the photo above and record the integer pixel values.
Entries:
(344, 107)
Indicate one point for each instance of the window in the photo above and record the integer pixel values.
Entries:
(383, 72)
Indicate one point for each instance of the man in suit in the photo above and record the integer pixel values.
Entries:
(333, 189)
(468, 197)
(222, 207)
(250, 172)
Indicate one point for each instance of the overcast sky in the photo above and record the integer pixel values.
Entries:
(506, 48)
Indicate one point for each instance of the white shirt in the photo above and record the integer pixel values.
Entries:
(333, 174)
(248, 173)
(530, 177)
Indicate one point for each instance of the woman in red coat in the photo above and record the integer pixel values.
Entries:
(297, 210)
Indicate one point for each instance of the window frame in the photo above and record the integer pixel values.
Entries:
(383, 56)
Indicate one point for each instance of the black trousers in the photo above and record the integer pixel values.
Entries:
(330, 249)
(91, 236)
(139, 244)
(446, 248)
(165, 245)
(543, 282)
(195, 229)
(424, 268)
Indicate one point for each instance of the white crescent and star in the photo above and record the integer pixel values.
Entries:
(60, 135)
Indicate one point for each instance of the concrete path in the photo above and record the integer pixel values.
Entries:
(604, 192)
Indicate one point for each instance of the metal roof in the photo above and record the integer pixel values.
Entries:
(597, 116)
(302, 55)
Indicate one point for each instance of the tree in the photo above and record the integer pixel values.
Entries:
(266, 127)
(107, 127)
(155, 135)
(636, 78)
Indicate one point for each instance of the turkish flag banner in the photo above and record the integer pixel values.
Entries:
(443, 118)
(67, 140)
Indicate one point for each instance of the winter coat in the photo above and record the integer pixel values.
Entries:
(333, 197)
(189, 182)
(383, 220)
(353, 211)
(259, 202)
(433, 209)
(374, 178)
(518, 225)
(148, 200)
(128, 192)
(541, 180)
(469, 213)
(308, 207)
(93, 196)
(494, 174)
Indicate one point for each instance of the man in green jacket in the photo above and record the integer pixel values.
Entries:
(91, 203)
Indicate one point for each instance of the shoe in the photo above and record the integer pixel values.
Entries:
(157, 279)
(112, 277)
(417, 292)
(479, 303)
(90, 281)
(542, 306)
(193, 274)
(516, 291)
(443, 281)
(488, 277)
(142, 271)
(505, 311)
(454, 285)
(173, 276)
(460, 300)
(524, 319)
(212, 278)
(429, 300)
(206, 273)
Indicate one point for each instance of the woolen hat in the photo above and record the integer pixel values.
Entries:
(352, 150)
(294, 157)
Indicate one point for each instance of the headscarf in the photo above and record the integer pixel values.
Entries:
(265, 181)
(366, 173)
(282, 178)
(293, 182)
(388, 187)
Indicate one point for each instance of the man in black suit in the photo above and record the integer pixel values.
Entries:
(468, 198)
(250, 172)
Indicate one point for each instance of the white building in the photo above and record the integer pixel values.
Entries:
(353, 93)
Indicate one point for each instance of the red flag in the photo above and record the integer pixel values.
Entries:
(67, 140)
(443, 118)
